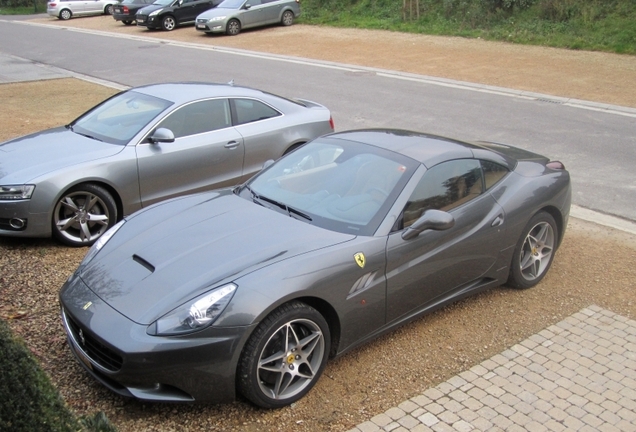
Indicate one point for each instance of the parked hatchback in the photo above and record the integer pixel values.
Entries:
(232, 16)
(66, 9)
(127, 9)
(168, 14)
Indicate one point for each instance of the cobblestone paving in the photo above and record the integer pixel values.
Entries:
(577, 375)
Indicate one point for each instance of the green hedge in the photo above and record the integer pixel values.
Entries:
(29, 400)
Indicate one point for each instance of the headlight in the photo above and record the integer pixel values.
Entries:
(221, 18)
(195, 314)
(16, 192)
(101, 242)
(154, 13)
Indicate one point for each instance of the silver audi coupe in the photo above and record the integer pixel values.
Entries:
(142, 146)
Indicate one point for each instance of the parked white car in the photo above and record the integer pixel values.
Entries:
(66, 9)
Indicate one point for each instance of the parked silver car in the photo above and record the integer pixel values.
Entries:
(232, 16)
(142, 146)
(66, 9)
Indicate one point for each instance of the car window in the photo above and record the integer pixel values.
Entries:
(444, 187)
(231, 4)
(493, 172)
(346, 188)
(198, 117)
(120, 118)
(251, 110)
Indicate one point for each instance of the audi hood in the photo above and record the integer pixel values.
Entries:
(26, 158)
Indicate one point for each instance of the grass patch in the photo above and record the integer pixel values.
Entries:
(595, 25)
(22, 10)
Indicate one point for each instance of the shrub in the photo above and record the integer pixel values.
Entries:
(29, 400)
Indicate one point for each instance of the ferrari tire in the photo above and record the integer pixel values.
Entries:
(534, 252)
(284, 357)
(83, 214)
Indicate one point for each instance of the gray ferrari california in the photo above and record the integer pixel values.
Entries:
(251, 289)
(142, 146)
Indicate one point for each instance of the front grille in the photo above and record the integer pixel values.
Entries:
(96, 351)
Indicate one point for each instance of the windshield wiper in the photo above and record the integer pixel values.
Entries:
(288, 209)
(88, 136)
(256, 198)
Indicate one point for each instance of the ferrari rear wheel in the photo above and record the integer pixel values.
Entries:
(284, 357)
(534, 252)
(83, 214)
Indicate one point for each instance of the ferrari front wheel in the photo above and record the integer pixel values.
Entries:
(534, 252)
(285, 356)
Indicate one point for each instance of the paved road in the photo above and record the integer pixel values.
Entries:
(598, 146)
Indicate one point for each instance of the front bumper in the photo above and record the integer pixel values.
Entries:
(122, 356)
(152, 22)
(211, 27)
(16, 220)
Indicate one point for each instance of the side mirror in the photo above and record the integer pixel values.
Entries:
(247, 6)
(268, 163)
(431, 219)
(162, 135)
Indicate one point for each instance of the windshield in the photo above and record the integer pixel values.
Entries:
(339, 185)
(162, 2)
(119, 118)
(231, 4)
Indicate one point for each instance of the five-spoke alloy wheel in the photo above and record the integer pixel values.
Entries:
(285, 356)
(168, 23)
(534, 252)
(83, 214)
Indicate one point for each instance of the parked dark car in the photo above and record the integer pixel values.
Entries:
(168, 14)
(126, 10)
(253, 288)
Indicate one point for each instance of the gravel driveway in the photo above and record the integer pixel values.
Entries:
(595, 265)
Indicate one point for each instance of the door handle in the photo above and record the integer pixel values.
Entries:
(231, 145)
(498, 221)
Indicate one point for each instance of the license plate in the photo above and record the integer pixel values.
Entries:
(201, 26)
(140, 20)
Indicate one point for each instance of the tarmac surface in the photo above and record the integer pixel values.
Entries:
(577, 375)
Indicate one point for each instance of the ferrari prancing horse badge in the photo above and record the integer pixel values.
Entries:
(360, 259)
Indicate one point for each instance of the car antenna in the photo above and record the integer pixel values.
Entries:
(231, 82)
